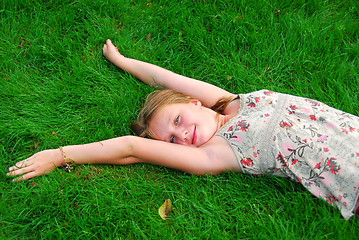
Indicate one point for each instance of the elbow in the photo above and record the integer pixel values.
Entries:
(125, 146)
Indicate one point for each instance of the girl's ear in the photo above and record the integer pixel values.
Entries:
(196, 103)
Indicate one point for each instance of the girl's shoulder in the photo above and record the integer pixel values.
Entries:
(232, 107)
(220, 152)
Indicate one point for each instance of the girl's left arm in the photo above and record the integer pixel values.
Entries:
(156, 76)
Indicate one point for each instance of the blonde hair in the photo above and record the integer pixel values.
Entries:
(158, 99)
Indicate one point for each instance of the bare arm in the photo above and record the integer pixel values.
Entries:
(111, 151)
(128, 150)
(156, 76)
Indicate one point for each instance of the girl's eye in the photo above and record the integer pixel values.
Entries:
(172, 139)
(177, 120)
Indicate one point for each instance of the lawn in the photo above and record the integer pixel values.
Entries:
(57, 89)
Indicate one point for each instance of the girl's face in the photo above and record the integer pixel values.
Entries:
(184, 123)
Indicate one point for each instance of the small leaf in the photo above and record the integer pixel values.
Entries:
(148, 37)
(301, 151)
(165, 209)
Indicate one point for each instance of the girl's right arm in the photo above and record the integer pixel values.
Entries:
(111, 151)
(156, 76)
(128, 150)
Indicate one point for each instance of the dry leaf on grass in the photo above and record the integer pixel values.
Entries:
(165, 209)
(148, 37)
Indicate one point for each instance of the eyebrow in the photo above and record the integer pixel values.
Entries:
(171, 122)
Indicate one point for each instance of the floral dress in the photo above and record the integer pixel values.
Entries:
(301, 139)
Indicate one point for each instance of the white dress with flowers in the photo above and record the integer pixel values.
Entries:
(299, 138)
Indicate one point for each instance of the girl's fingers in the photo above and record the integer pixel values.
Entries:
(26, 176)
(18, 171)
(21, 164)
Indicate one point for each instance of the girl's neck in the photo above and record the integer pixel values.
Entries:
(221, 120)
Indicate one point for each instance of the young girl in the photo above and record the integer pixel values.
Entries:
(199, 128)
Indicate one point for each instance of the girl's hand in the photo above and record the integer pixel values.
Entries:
(38, 164)
(111, 52)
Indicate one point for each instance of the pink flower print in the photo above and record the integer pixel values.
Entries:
(266, 115)
(255, 154)
(331, 125)
(325, 149)
(344, 131)
(284, 124)
(330, 198)
(244, 125)
(291, 109)
(230, 128)
(317, 166)
(268, 93)
(251, 104)
(357, 154)
(333, 166)
(294, 161)
(280, 159)
(322, 138)
(351, 129)
(312, 117)
(247, 162)
(257, 99)
(345, 203)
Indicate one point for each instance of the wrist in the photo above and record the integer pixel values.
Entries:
(66, 162)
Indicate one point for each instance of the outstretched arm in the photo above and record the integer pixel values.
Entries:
(111, 151)
(156, 76)
(128, 150)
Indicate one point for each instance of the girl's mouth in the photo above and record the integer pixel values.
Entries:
(194, 136)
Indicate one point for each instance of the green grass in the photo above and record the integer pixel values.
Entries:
(57, 89)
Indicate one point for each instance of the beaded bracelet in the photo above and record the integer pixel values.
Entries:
(68, 162)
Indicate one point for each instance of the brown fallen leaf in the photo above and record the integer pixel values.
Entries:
(148, 37)
(165, 209)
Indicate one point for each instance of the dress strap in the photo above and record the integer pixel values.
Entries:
(235, 98)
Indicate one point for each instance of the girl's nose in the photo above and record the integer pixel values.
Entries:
(182, 135)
